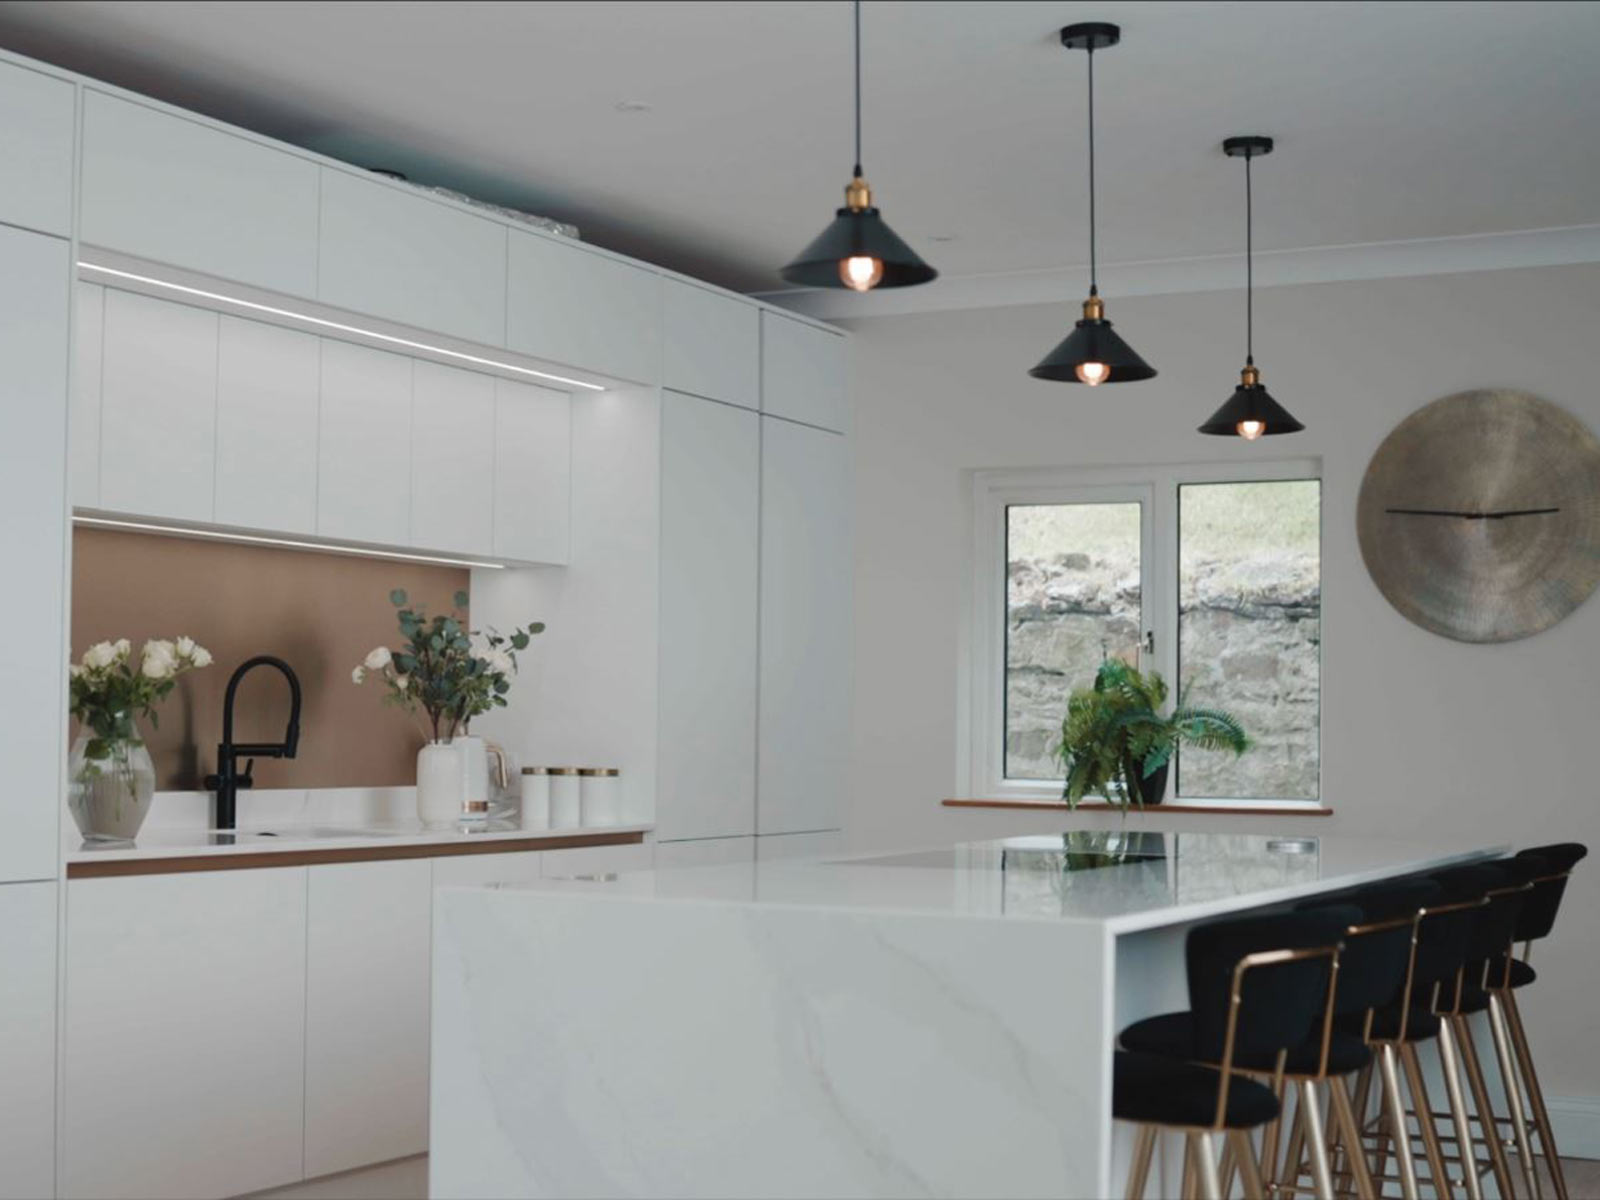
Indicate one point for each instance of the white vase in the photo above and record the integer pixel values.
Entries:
(441, 784)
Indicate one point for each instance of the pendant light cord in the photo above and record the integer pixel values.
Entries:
(1094, 280)
(858, 87)
(1249, 268)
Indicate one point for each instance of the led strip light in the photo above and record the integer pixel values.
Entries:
(289, 543)
(324, 323)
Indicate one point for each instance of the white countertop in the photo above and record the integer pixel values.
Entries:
(1196, 875)
(286, 838)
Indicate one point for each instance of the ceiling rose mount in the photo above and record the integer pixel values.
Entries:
(1092, 353)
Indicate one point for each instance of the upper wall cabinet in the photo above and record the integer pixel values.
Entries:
(83, 434)
(711, 345)
(36, 145)
(364, 451)
(267, 401)
(532, 473)
(394, 254)
(167, 188)
(804, 373)
(572, 306)
(452, 459)
(158, 408)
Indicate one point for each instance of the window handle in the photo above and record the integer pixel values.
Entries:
(1149, 641)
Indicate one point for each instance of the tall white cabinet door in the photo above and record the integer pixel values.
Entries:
(34, 302)
(158, 408)
(710, 498)
(711, 344)
(573, 306)
(394, 253)
(805, 629)
(27, 1040)
(183, 1069)
(452, 459)
(268, 380)
(178, 191)
(367, 980)
(83, 434)
(37, 138)
(364, 446)
(804, 372)
(532, 473)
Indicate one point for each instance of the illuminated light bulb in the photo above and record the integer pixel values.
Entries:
(1092, 373)
(1251, 430)
(861, 273)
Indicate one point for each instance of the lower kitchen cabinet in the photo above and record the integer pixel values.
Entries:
(183, 1069)
(27, 1041)
(473, 870)
(367, 987)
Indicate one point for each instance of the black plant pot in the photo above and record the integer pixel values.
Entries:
(1153, 787)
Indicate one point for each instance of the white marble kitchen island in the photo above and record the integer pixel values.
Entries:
(929, 1023)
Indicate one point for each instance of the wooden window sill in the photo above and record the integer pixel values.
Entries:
(1235, 810)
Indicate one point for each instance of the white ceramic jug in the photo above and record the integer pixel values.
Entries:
(441, 780)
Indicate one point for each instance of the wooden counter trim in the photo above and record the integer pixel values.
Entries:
(1232, 810)
(247, 860)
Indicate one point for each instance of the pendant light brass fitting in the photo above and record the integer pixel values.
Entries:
(1094, 309)
(1250, 376)
(857, 195)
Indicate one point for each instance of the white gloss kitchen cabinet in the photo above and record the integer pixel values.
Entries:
(27, 1041)
(190, 416)
(711, 344)
(710, 529)
(183, 1039)
(805, 629)
(182, 190)
(37, 112)
(804, 370)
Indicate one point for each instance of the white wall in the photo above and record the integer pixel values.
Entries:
(1421, 736)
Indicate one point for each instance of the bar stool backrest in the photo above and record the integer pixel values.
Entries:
(1377, 949)
(1538, 914)
(1493, 936)
(1281, 965)
(1444, 938)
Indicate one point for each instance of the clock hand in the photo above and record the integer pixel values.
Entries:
(1472, 516)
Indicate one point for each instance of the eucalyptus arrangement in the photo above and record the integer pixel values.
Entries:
(110, 776)
(443, 671)
(1117, 744)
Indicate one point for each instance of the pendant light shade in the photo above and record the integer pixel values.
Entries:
(858, 250)
(1093, 353)
(1250, 412)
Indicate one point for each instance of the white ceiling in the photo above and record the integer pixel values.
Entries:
(1394, 120)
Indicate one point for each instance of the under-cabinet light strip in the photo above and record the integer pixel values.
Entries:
(324, 323)
(289, 543)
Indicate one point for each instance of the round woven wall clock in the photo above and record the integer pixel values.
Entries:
(1479, 516)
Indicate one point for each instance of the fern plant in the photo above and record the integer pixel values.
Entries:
(1115, 740)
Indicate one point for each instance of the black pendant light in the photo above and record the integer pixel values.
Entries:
(1250, 412)
(1092, 353)
(858, 250)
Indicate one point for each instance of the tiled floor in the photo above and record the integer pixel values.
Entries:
(407, 1179)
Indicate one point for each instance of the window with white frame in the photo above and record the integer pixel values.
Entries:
(1210, 575)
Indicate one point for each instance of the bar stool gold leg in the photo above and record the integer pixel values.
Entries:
(1458, 1110)
(1188, 1189)
(1244, 1154)
(1288, 1173)
(1396, 1108)
(1423, 1107)
(1541, 1118)
(1344, 1117)
(1227, 1167)
(1205, 1157)
(1508, 1073)
(1316, 1140)
(1481, 1102)
(1144, 1147)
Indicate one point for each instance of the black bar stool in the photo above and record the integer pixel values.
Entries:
(1506, 974)
(1374, 967)
(1260, 990)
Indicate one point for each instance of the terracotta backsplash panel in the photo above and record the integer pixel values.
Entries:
(318, 612)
